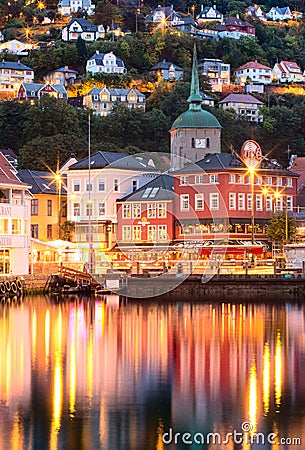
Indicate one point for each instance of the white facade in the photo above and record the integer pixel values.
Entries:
(245, 105)
(279, 14)
(254, 72)
(95, 209)
(67, 7)
(287, 72)
(105, 63)
(216, 71)
(16, 47)
(12, 75)
(81, 28)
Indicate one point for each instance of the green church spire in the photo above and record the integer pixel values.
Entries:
(195, 99)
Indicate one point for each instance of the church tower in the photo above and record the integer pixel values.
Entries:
(196, 132)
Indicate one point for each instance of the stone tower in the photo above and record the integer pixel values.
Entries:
(196, 132)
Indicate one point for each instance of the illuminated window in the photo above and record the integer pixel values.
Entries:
(232, 201)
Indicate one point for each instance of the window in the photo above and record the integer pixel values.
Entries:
(136, 210)
(289, 182)
(34, 207)
(184, 202)
(198, 179)
(208, 142)
(214, 201)
(269, 203)
(102, 209)
(49, 207)
(193, 142)
(249, 202)
(240, 179)
(151, 210)
(279, 203)
(126, 233)
(241, 202)
(49, 232)
(136, 232)
(126, 211)
(268, 181)
(199, 202)
(259, 180)
(214, 178)
(184, 180)
(162, 210)
(76, 185)
(34, 231)
(101, 185)
(76, 209)
(279, 181)
(116, 185)
(151, 233)
(88, 186)
(289, 203)
(231, 178)
(162, 232)
(89, 209)
(259, 202)
(134, 185)
(232, 201)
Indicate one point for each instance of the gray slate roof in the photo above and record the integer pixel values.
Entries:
(168, 11)
(230, 161)
(116, 92)
(64, 70)
(14, 65)
(41, 182)
(84, 23)
(35, 87)
(102, 160)
(165, 65)
(98, 58)
(160, 188)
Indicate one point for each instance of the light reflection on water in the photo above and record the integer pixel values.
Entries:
(102, 374)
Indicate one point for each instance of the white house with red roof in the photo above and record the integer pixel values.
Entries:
(14, 221)
(254, 72)
(287, 72)
(245, 105)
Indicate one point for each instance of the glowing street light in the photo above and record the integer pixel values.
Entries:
(58, 181)
(251, 155)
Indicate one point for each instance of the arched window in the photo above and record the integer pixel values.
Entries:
(208, 142)
(193, 142)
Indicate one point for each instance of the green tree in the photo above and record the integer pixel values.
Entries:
(67, 230)
(44, 152)
(282, 228)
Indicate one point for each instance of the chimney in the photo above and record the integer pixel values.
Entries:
(214, 6)
(237, 16)
(97, 52)
(201, 7)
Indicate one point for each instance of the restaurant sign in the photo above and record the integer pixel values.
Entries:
(251, 153)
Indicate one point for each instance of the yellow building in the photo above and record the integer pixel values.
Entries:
(48, 205)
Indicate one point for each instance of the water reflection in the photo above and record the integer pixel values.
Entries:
(95, 375)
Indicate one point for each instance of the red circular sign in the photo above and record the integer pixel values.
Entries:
(251, 153)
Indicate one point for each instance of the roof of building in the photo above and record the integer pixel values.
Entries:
(227, 161)
(64, 70)
(165, 65)
(241, 98)
(14, 65)
(99, 57)
(160, 188)
(205, 10)
(117, 92)
(206, 97)
(195, 116)
(103, 160)
(281, 11)
(36, 87)
(41, 182)
(168, 11)
(84, 23)
(253, 65)
(236, 21)
(8, 174)
(287, 66)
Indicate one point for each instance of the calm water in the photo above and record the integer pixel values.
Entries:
(90, 375)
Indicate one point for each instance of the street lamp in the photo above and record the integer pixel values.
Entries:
(58, 181)
(251, 170)
(278, 195)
